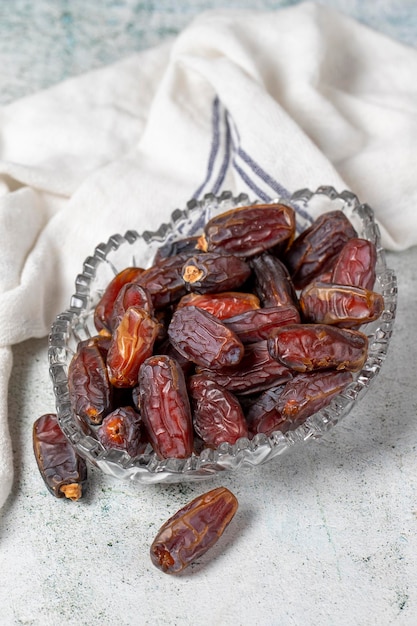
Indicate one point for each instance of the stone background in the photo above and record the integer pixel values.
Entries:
(326, 535)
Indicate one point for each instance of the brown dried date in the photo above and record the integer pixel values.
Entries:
(306, 394)
(193, 530)
(316, 249)
(90, 390)
(222, 305)
(262, 415)
(217, 415)
(163, 281)
(203, 338)
(212, 272)
(165, 407)
(256, 372)
(308, 347)
(104, 308)
(130, 294)
(273, 283)
(122, 429)
(131, 344)
(258, 324)
(342, 305)
(355, 264)
(249, 230)
(62, 469)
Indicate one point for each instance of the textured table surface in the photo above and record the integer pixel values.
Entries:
(326, 535)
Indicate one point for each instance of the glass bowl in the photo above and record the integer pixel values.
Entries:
(76, 324)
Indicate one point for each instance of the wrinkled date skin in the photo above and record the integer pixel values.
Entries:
(355, 264)
(130, 294)
(217, 415)
(165, 407)
(306, 394)
(122, 429)
(315, 250)
(90, 390)
(249, 230)
(273, 283)
(62, 469)
(256, 372)
(204, 339)
(342, 305)
(222, 305)
(131, 344)
(256, 325)
(104, 308)
(213, 272)
(263, 416)
(193, 530)
(164, 281)
(308, 347)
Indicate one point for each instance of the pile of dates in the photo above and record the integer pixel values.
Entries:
(244, 329)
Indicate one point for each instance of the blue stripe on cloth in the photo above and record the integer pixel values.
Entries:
(215, 142)
(226, 160)
(261, 194)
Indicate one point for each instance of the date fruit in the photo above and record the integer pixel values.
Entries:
(222, 305)
(217, 415)
(214, 272)
(273, 283)
(355, 264)
(316, 249)
(131, 344)
(90, 390)
(342, 305)
(165, 407)
(104, 308)
(249, 230)
(256, 325)
(122, 429)
(256, 372)
(308, 347)
(203, 338)
(62, 469)
(193, 530)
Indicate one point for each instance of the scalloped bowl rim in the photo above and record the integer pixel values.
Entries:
(147, 468)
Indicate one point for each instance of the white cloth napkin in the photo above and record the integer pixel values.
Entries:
(260, 102)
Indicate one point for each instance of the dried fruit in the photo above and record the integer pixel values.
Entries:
(217, 415)
(249, 230)
(104, 308)
(163, 281)
(306, 394)
(222, 305)
(342, 305)
(165, 407)
(256, 371)
(315, 250)
(355, 264)
(308, 347)
(62, 469)
(122, 429)
(130, 294)
(88, 382)
(193, 530)
(256, 325)
(273, 283)
(203, 338)
(132, 343)
(214, 272)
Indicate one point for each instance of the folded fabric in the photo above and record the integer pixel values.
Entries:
(256, 102)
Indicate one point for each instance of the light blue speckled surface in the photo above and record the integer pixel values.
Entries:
(326, 536)
(45, 41)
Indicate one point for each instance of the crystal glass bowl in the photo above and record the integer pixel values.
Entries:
(76, 324)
